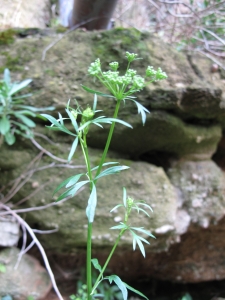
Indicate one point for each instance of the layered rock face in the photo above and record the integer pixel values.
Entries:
(170, 158)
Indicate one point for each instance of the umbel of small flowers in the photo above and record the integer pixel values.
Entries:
(122, 86)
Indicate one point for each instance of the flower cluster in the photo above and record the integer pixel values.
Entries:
(155, 75)
(95, 67)
(127, 84)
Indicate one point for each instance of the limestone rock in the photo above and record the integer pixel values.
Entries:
(9, 232)
(201, 189)
(23, 14)
(29, 279)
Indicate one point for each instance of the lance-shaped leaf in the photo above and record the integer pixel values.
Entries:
(112, 170)
(56, 125)
(87, 89)
(25, 120)
(10, 138)
(26, 112)
(114, 208)
(141, 110)
(68, 182)
(73, 120)
(21, 97)
(34, 108)
(72, 191)
(125, 197)
(4, 125)
(92, 202)
(7, 78)
(73, 148)
(74, 180)
(138, 239)
(105, 164)
(135, 291)
(119, 283)
(16, 87)
(121, 226)
(141, 229)
(96, 264)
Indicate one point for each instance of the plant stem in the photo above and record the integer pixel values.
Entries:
(89, 230)
(107, 261)
(88, 262)
(108, 139)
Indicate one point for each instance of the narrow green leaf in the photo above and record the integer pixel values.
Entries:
(95, 103)
(7, 78)
(112, 170)
(142, 248)
(21, 97)
(74, 180)
(4, 125)
(135, 291)
(10, 138)
(26, 112)
(105, 164)
(73, 148)
(106, 120)
(35, 108)
(141, 110)
(20, 125)
(141, 229)
(141, 209)
(117, 206)
(62, 184)
(119, 283)
(72, 191)
(96, 264)
(16, 87)
(121, 226)
(92, 202)
(124, 197)
(50, 119)
(25, 120)
(73, 120)
(87, 89)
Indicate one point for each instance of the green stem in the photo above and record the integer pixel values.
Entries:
(88, 262)
(108, 139)
(83, 144)
(107, 261)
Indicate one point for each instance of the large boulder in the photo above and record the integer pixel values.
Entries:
(24, 278)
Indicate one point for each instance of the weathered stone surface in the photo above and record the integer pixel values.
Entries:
(186, 120)
(201, 189)
(28, 279)
(9, 232)
(20, 13)
(143, 181)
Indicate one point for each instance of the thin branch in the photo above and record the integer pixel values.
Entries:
(213, 34)
(33, 193)
(47, 152)
(41, 249)
(25, 210)
(62, 36)
(44, 137)
(45, 231)
(212, 58)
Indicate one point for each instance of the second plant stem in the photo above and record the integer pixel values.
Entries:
(89, 230)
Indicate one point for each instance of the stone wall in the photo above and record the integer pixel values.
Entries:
(170, 157)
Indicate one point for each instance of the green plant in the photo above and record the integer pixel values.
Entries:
(14, 115)
(122, 89)
(2, 268)
(104, 290)
(187, 296)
